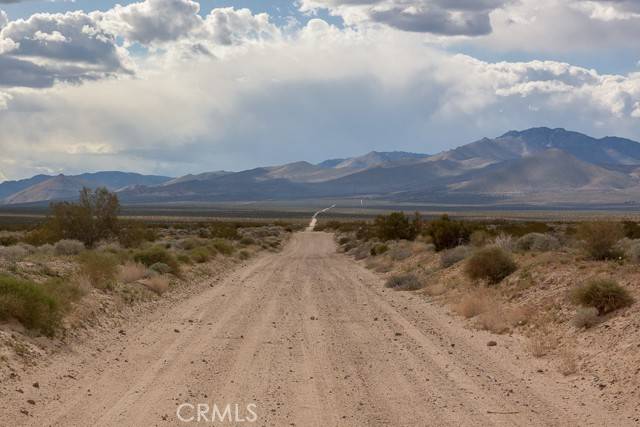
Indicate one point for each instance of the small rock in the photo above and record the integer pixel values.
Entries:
(36, 385)
(398, 334)
(31, 402)
(122, 332)
(177, 331)
(492, 344)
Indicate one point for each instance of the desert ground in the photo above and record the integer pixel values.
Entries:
(312, 338)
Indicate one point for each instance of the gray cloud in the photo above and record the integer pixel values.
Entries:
(442, 17)
(49, 47)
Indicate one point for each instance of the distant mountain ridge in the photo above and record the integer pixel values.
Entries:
(538, 165)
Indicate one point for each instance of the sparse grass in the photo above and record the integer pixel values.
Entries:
(504, 242)
(605, 295)
(586, 317)
(494, 319)
(200, 255)
(473, 304)
(491, 264)
(131, 272)
(406, 282)
(158, 284)
(568, 362)
(101, 268)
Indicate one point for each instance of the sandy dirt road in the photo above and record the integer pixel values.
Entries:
(312, 339)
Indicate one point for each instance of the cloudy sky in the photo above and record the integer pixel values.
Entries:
(180, 86)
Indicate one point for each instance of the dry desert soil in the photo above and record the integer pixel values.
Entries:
(310, 337)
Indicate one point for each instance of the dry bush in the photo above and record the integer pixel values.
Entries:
(543, 343)
(537, 242)
(68, 247)
(453, 256)
(436, 289)
(632, 251)
(101, 268)
(568, 363)
(224, 246)
(13, 253)
(479, 238)
(406, 282)
(504, 242)
(158, 284)
(132, 272)
(606, 295)
(599, 239)
(585, 317)
(491, 264)
(200, 255)
(379, 249)
(400, 251)
(473, 304)
(494, 319)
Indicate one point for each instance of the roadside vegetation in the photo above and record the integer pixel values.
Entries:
(551, 282)
(85, 258)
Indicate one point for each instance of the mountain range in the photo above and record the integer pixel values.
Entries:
(538, 166)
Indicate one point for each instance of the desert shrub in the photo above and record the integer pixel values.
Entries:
(131, 272)
(494, 319)
(631, 250)
(447, 233)
(585, 317)
(68, 247)
(343, 240)
(29, 303)
(189, 244)
(223, 230)
(184, 258)
(519, 229)
(160, 268)
(133, 234)
(46, 249)
(157, 254)
(400, 251)
(473, 304)
(223, 246)
(599, 239)
(246, 240)
(405, 282)
(362, 251)
(479, 238)
(453, 256)
(101, 268)
(379, 249)
(631, 229)
(605, 295)
(13, 253)
(504, 242)
(491, 264)
(395, 226)
(200, 255)
(93, 218)
(8, 240)
(41, 236)
(244, 255)
(537, 242)
(157, 284)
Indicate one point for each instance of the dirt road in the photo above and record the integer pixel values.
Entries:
(312, 339)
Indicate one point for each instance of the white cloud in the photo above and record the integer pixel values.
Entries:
(317, 93)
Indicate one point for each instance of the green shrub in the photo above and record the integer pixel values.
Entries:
(36, 306)
(395, 226)
(446, 233)
(605, 295)
(223, 246)
(247, 241)
(406, 282)
(491, 264)
(156, 254)
(379, 249)
(453, 256)
(184, 259)
(101, 268)
(599, 239)
(8, 240)
(133, 234)
(160, 267)
(631, 229)
(200, 255)
(223, 230)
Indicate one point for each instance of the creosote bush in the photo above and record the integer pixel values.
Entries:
(600, 238)
(605, 295)
(406, 282)
(446, 233)
(491, 264)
